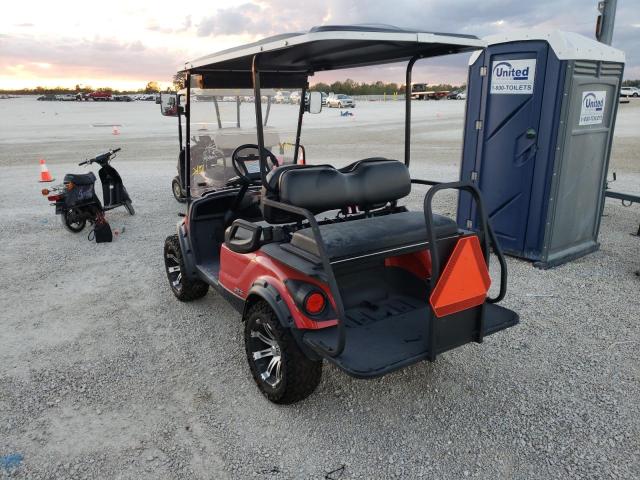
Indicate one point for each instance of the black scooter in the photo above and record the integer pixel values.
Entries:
(76, 201)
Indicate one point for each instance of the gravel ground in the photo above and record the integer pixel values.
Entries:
(103, 374)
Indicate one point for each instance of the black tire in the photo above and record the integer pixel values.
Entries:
(129, 206)
(72, 224)
(635, 94)
(185, 289)
(293, 376)
(176, 188)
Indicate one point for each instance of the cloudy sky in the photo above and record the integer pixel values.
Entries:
(124, 43)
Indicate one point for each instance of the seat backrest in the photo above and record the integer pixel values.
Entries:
(319, 188)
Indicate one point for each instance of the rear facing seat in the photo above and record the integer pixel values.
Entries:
(372, 235)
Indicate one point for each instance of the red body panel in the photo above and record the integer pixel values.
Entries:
(238, 272)
(418, 263)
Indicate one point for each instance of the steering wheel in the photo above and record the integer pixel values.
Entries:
(247, 164)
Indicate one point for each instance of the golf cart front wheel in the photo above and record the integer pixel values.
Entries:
(183, 288)
(129, 206)
(176, 188)
(71, 222)
(283, 373)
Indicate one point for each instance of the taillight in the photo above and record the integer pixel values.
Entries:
(45, 191)
(314, 303)
(54, 198)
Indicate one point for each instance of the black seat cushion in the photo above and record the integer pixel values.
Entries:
(373, 234)
(319, 188)
(80, 178)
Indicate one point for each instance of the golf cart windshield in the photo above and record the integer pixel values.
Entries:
(222, 120)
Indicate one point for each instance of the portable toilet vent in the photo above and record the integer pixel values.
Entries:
(538, 129)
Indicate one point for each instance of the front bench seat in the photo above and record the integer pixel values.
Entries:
(372, 235)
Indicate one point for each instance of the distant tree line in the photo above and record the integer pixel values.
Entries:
(631, 83)
(351, 87)
(151, 87)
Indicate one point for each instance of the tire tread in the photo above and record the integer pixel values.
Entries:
(302, 375)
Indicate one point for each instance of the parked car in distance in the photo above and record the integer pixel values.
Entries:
(67, 97)
(462, 95)
(341, 100)
(282, 96)
(630, 92)
(294, 97)
(453, 95)
(122, 98)
(100, 96)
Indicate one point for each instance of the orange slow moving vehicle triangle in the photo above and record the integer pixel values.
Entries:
(465, 280)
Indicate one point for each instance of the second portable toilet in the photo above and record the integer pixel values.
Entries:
(538, 129)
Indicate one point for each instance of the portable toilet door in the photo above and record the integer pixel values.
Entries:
(506, 130)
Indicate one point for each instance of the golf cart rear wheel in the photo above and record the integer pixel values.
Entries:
(71, 222)
(176, 188)
(185, 289)
(282, 372)
(129, 206)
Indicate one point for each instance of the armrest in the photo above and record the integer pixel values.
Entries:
(243, 236)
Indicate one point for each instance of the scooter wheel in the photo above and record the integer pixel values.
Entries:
(71, 223)
(129, 206)
(176, 188)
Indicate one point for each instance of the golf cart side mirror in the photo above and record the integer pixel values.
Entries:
(315, 102)
(169, 104)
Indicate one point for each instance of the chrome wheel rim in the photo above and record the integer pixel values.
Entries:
(173, 270)
(266, 353)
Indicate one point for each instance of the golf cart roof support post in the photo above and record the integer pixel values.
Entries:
(187, 152)
(255, 76)
(299, 129)
(215, 104)
(407, 111)
(266, 115)
(238, 111)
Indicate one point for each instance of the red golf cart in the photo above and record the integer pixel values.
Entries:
(325, 263)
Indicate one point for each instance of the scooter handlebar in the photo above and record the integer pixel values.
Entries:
(101, 157)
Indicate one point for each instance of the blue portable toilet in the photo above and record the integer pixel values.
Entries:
(539, 123)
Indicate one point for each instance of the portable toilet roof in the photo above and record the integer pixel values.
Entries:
(565, 45)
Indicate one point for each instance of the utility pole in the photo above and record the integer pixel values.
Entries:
(606, 21)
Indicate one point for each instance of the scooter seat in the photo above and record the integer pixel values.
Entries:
(80, 178)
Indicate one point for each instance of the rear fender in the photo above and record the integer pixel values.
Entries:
(265, 291)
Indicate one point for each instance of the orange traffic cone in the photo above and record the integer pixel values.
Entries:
(45, 175)
(115, 131)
